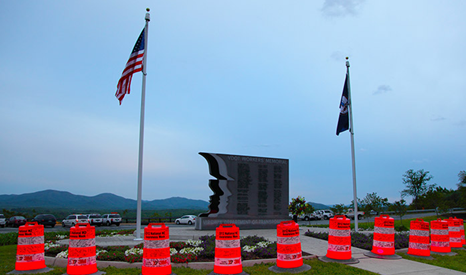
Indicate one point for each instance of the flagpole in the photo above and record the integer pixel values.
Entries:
(351, 129)
(141, 127)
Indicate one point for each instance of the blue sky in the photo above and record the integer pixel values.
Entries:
(258, 78)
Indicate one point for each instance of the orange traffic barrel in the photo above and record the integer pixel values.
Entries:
(454, 232)
(419, 238)
(82, 250)
(289, 254)
(227, 250)
(439, 238)
(156, 252)
(30, 249)
(339, 238)
(384, 235)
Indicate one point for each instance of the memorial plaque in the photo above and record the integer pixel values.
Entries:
(251, 192)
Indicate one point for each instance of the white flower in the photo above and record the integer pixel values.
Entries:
(61, 237)
(249, 248)
(63, 254)
(49, 245)
(173, 251)
(191, 250)
(100, 251)
(134, 251)
(193, 242)
(263, 244)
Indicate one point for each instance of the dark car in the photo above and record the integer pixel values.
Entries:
(45, 220)
(16, 221)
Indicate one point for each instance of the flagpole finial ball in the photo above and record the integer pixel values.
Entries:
(147, 9)
(346, 58)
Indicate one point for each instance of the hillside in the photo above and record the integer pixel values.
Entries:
(61, 199)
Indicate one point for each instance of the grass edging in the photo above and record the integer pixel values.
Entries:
(62, 262)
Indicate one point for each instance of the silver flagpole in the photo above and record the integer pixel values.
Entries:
(141, 127)
(351, 129)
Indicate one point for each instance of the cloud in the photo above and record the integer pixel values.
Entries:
(461, 123)
(382, 89)
(341, 8)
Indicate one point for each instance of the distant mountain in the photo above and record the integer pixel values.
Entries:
(53, 199)
(105, 201)
(319, 206)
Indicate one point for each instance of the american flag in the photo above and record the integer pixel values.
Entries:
(133, 65)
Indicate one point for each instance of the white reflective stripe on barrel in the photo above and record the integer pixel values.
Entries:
(455, 240)
(82, 243)
(157, 243)
(454, 229)
(383, 244)
(227, 243)
(29, 258)
(339, 233)
(384, 230)
(420, 233)
(439, 231)
(30, 240)
(161, 262)
(81, 261)
(288, 240)
(227, 261)
(290, 257)
(440, 244)
(339, 248)
(422, 246)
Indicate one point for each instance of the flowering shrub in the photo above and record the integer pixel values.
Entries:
(183, 258)
(134, 251)
(49, 245)
(297, 206)
(193, 243)
(191, 250)
(63, 254)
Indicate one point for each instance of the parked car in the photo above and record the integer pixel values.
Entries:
(109, 219)
(73, 219)
(16, 221)
(94, 219)
(324, 214)
(309, 216)
(45, 220)
(350, 214)
(2, 220)
(187, 219)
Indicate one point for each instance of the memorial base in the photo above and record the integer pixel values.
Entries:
(384, 257)
(208, 223)
(300, 269)
(35, 271)
(325, 259)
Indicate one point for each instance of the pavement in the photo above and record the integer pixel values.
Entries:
(310, 245)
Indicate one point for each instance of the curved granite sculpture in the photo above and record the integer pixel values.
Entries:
(251, 192)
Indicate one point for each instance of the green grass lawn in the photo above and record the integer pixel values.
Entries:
(8, 255)
(457, 262)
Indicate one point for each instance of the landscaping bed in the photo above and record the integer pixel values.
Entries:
(202, 250)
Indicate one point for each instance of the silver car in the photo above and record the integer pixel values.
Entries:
(187, 219)
(74, 219)
(2, 220)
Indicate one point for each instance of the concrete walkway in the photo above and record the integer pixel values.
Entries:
(310, 245)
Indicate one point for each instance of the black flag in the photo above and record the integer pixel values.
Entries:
(343, 120)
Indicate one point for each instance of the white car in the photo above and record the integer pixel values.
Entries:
(74, 219)
(187, 219)
(94, 219)
(109, 219)
(2, 220)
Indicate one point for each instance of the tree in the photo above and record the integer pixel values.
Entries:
(297, 207)
(308, 208)
(375, 203)
(416, 184)
(339, 209)
(400, 208)
(462, 188)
